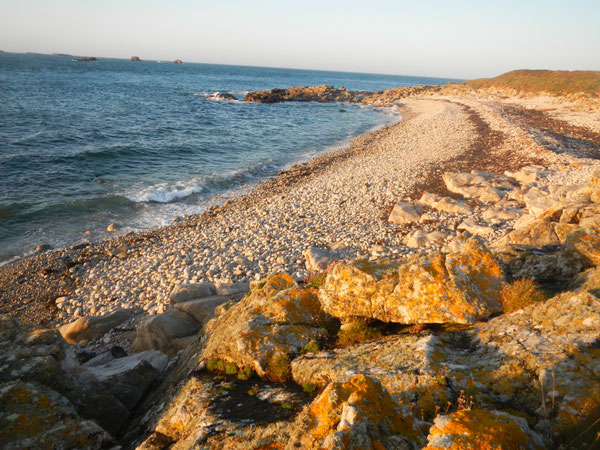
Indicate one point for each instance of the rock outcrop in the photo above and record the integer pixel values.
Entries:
(39, 364)
(34, 416)
(462, 286)
(266, 328)
(360, 413)
(483, 186)
(542, 361)
(300, 94)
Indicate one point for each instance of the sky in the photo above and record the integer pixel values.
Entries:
(449, 38)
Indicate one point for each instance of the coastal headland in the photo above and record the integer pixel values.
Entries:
(433, 284)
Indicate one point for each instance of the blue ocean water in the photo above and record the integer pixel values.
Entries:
(84, 144)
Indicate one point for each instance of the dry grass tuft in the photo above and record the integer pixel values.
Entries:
(519, 294)
(356, 332)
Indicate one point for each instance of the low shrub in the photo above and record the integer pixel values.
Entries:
(311, 347)
(316, 280)
(245, 373)
(279, 369)
(309, 388)
(519, 294)
(356, 332)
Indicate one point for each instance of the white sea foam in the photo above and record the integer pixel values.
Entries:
(218, 95)
(165, 192)
(227, 181)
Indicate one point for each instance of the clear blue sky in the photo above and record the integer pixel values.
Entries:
(463, 39)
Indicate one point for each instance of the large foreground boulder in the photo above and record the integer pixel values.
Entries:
(276, 320)
(129, 377)
(462, 286)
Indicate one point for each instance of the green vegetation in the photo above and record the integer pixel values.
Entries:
(519, 294)
(309, 388)
(286, 405)
(311, 347)
(245, 373)
(356, 332)
(316, 280)
(556, 82)
(279, 369)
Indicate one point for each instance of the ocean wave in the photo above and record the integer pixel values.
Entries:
(26, 138)
(170, 192)
(165, 193)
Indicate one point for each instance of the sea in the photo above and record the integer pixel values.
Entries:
(142, 144)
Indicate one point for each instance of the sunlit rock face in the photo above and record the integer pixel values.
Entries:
(462, 286)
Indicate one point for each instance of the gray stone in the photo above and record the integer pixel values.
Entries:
(92, 327)
(128, 378)
(483, 186)
(495, 214)
(231, 289)
(445, 204)
(475, 228)
(528, 174)
(43, 357)
(404, 213)
(162, 331)
(186, 292)
(202, 309)
(318, 259)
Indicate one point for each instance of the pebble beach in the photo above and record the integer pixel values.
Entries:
(339, 201)
(456, 247)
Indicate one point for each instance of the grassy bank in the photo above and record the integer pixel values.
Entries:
(556, 82)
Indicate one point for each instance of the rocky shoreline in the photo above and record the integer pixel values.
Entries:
(414, 232)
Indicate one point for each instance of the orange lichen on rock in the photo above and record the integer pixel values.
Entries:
(276, 320)
(480, 429)
(462, 286)
(359, 414)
